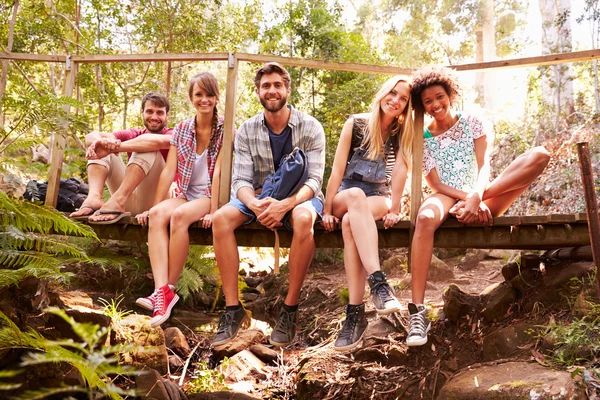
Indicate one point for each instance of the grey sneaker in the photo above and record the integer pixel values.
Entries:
(285, 328)
(382, 294)
(229, 325)
(353, 328)
(419, 325)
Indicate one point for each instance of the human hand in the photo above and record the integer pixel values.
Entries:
(390, 219)
(258, 206)
(206, 221)
(271, 217)
(329, 222)
(142, 218)
(469, 210)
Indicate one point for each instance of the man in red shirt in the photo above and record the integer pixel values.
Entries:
(132, 186)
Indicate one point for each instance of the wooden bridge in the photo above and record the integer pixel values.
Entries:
(527, 232)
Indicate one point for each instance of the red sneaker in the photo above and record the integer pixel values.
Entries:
(148, 302)
(165, 300)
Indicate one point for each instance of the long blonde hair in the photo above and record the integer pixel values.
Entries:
(403, 125)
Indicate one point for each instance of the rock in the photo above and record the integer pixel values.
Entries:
(228, 395)
(510, 270)
(265, 354)
(243, 340)
(439, 271)
(40, 153)
(501, 254)
(380, 328)
(472, 259)
(175, 392)
(12, 185)
(444, 254)
(81, 315)
(74, 378)
(188, 319)
(370, 354)
(74, 300)
(175, 362)
(135, 329)
(150, 384)
(176, 341)
(244, 365)
(526, 280)
(556, 277)
(458, 303)
(397, 356)
(505, 342)
(520, 380)
(249, 297)
(253, 281)
(496, 299)
(394, 263)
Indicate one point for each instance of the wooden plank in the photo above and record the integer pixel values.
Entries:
(158, 57)
(417, 162)
(562, 218)
(58, 146)
(534, 219)
(591, 205)
(549, 59)
(229, 127)
(6, 55)
(531, 237)
(329, 65)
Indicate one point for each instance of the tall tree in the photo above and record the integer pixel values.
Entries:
(591, 13)
(557, 80)
(9, 46)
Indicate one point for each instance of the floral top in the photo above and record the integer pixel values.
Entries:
(452, 153)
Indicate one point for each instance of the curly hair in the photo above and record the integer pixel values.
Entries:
(428, 76)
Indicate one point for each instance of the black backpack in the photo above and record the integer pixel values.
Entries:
(71, 193)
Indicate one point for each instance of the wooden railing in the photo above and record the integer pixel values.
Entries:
(233, 60)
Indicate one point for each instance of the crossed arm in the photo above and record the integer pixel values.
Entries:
(101, 144)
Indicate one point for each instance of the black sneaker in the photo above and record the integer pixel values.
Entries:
(353, 328)
(419, 325)
(229, 325)
(285, 328)
(382, 294)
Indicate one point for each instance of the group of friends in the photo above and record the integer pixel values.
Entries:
(172, 180)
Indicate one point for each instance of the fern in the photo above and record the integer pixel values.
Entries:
(198, 267)
(94, 362)
(27, 246)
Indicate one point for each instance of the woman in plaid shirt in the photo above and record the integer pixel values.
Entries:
(194, 163)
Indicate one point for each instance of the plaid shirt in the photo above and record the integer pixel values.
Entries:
(184, 138)
(253, 159)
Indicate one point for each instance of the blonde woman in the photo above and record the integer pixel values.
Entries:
(194, 161)
(366, 184)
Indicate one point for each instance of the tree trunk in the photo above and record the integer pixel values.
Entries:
(125, 106)
(4, 76)
(557, 81)
(486, 51)
(596, 92)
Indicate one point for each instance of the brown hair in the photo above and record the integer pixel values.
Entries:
(157, 99)
(207, 82)
(272, 68)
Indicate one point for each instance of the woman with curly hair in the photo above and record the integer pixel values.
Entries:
(366, 183)
(195, 158)
(456, 166)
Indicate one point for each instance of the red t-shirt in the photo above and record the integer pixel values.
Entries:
(132, 133)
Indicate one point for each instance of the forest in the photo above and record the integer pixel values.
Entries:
(69, 326)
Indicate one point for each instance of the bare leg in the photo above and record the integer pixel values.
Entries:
(513, 181)
(96, 177)
(432, 213)
(354, 202)
(158, 239)
(302, 251)
(225, 221)
(179, 243)
(354, 223)
(133, 176)
(356, 275)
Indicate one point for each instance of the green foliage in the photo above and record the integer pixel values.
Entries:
(198, 267)
(93, 360)
(28, 246)
(112, 310)
(209, 380)
(344, 296)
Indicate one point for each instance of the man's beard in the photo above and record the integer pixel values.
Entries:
(273, 108)
(157, 130)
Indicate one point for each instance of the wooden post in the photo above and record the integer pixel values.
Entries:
(60, 138)
(591, 205)
(229, 127)
(416, 175)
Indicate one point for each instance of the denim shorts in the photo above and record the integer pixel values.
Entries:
(315, 204)
(370, 189)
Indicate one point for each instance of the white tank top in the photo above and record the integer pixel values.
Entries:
(199, 179)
